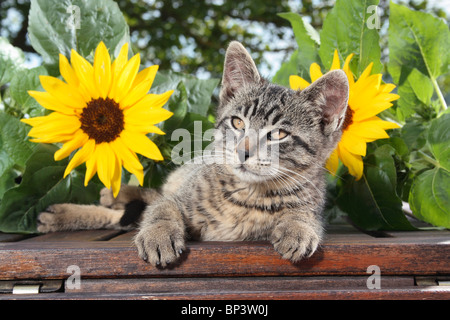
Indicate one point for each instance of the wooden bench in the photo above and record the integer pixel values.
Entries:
(411, 265)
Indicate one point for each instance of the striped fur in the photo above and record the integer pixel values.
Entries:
(239, 200)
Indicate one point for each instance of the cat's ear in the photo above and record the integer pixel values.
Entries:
(239, 71)
(330, 92)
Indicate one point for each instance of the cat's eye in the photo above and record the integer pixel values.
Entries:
(237, 123)
(277, 135)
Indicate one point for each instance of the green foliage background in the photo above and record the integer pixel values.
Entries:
(413, 52)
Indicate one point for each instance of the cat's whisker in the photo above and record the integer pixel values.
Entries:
(328, 170)
(288, 171)
(219, 155)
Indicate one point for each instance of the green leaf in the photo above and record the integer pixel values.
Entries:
(307, 40)
(429, 197)
(412, 133)
(198, 91)
(439, 140)
(349, 27)
(24, 80)
(42, 185)
(289, 68)
(419, 46)
(372, 202)
(58, 26)
(178, 104)
(14, 149)
(11, 60)
(415, 90)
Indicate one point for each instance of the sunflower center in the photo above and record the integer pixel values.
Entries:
(348, 118)
(102, 120)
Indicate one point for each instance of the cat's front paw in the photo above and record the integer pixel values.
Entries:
(160, 244)
(126, 194)
(295, 240)
(52, 219)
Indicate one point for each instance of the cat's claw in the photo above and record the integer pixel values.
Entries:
(295, 241)
(160, 244)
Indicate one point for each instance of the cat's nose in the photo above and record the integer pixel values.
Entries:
(244, 150)
(243, 155)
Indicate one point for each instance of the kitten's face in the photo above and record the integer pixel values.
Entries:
(267, 131)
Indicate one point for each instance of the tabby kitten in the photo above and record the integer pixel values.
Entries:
(270, 186)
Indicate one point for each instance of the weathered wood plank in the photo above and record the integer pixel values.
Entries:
(429, 293)
(125, 237)
(13, 237)
(286, 288)
(110, 259)
(235, 284)
(82, 235)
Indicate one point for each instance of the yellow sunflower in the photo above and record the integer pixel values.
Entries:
(367, 98)
(103, 110)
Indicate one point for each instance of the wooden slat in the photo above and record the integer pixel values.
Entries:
(14, 237)
(84, 235)
(125, 237)
(110, 259)
(233, 285)
(429, 236)
(246, 288)
(412, 293)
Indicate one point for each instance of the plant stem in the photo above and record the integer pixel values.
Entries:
(439, 93)
(429, 159)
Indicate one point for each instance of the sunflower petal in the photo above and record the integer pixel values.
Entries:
(52, 139)
(78, 140)
(353, 162)
(129, 159)
(49, 102)
(366, 72)
(85, 73)
(352, 143)
(148, 117)
(296, 83)
(117, 177)
(336, 64)
(141, 85)
(91, 168)
(116, 68)
(369, 132)
(136, 94)
(366, 92)
(105, 163)
(63, 92)
(315, 72)
(143, 128)
(53, 124)
(81, 156)
(387, 88)
(126, 78)
(333, 162)
(375, 108)
(150, 101)
(102, 70)
(348, 72)
(121, 60)
(148, 74)
(139, 143)
(67, 71)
